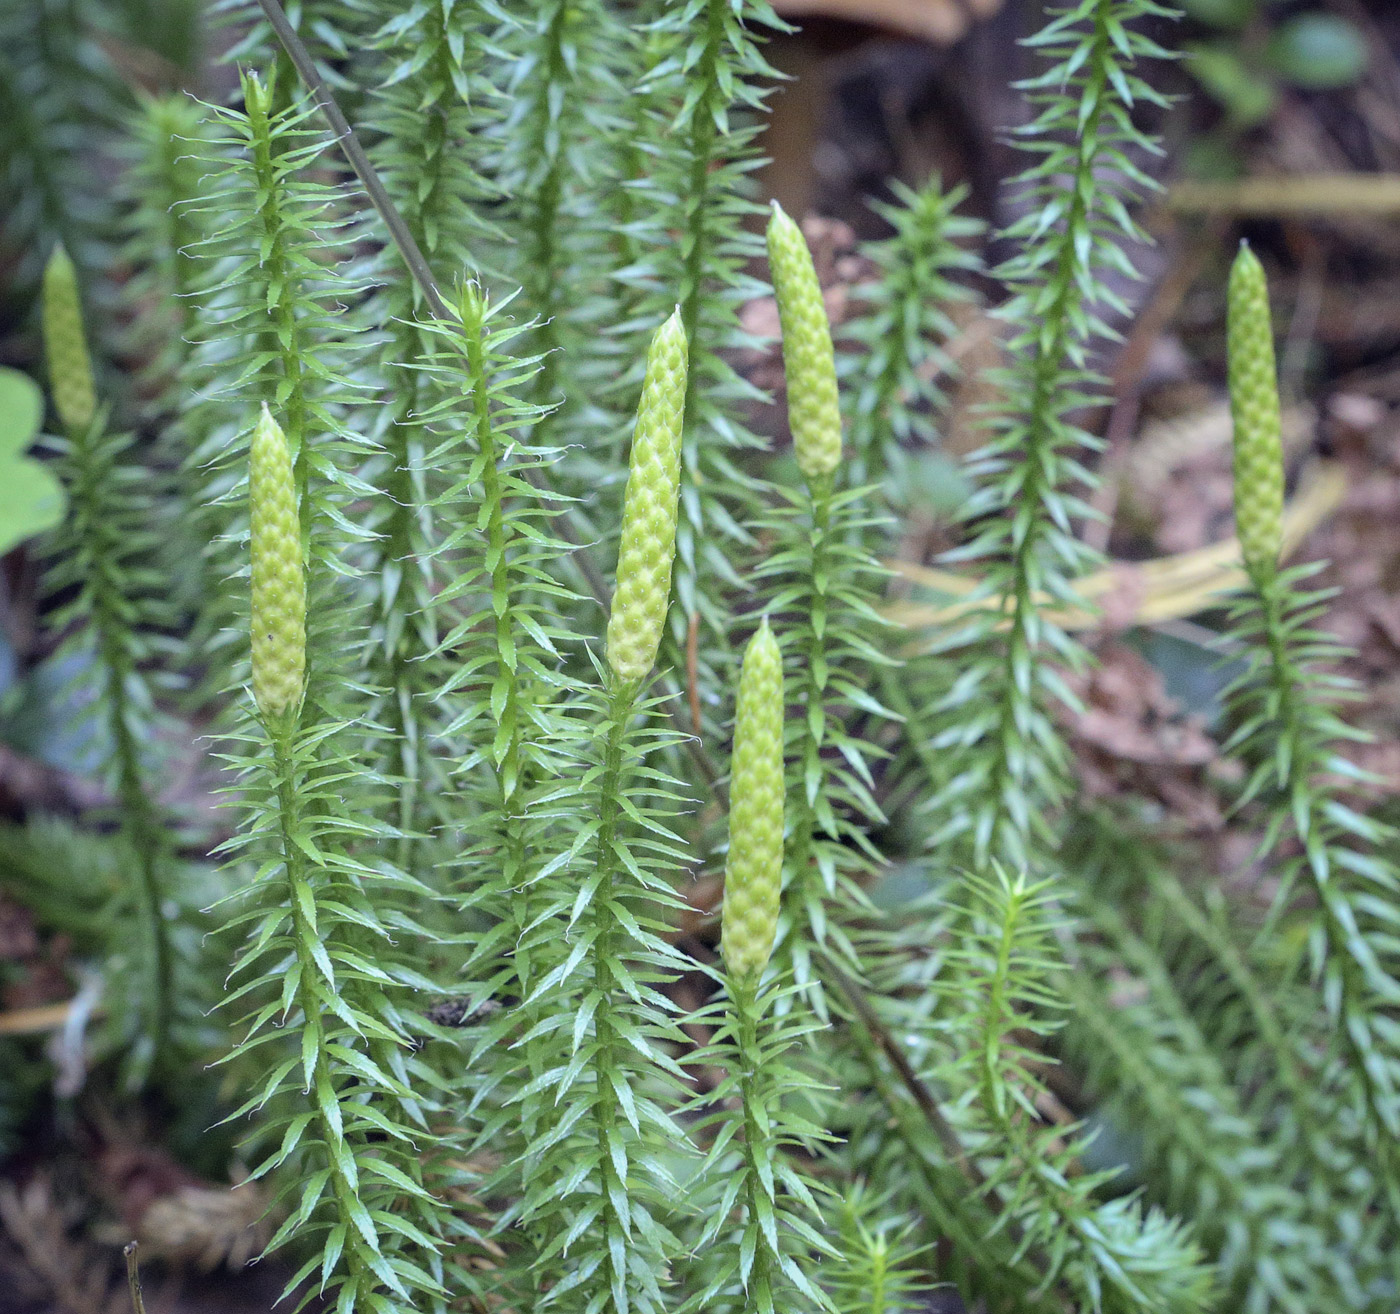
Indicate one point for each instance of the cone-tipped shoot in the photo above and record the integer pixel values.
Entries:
(70, 369)
(814, 409)
(649, 508)
(753, 876)
(278, 621)
(1254, 406)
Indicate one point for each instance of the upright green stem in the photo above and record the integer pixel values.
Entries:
(758, 1148)
(305, 934)
(1011, 1122)
(809, 890)
(603, 921)
(145, 832)
(879, 1257)
(1305, 808)
(140, 820)
(541, 272)
(1004, 827)
(396, 621)
(284, 338)
(507, 742)
(506, 692)
(405, 598)
(697, 200)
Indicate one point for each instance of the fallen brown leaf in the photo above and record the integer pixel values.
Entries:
(940, 21)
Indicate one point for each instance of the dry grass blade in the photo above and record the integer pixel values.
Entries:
(1165, 589)
(1321, 193)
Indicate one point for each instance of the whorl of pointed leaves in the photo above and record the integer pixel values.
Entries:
(753, 875)
(1254, 406)
(1214, 1059)
(649, 509)
(1006, 962)
(814, 411)
(278, 617)
(893, 384)
(60, 97)
(561, 64)
(1289, 734)
(162, 180)
(65, 344)
(1009, 769)
(112, 611)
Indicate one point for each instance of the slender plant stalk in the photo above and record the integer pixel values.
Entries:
(113, 584)
(1289, 732)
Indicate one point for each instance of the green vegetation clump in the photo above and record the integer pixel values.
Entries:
(498, 693)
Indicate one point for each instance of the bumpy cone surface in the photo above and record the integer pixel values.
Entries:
(649, 509)
(279, 578)
(70, 370)
(814, 411)
(1255, 407)
(753, 877)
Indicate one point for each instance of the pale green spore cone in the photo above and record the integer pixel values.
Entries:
(65, 344)
(1254, 405)
(649, 509)
(753, 876)
(278, 623)
(814, 409)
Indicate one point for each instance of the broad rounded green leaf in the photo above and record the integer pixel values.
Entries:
(1319, 52)
(31, 501)
(21, 411)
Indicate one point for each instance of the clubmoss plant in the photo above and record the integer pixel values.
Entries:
(495, 1051)
(60, 95)
(113, 620)
(161, 183)
(428, 110)
(1289, 735)
(821, 571)
(1008, 772)
(764, 1262)
(625, 1233)
(509, 725)
(1112, 1253)
(814, 413)
(163, 178)
(893, 382)
(352, 1101)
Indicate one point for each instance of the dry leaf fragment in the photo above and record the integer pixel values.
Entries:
(940, 21)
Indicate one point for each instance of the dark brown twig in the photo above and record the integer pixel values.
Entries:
(133, 1278)
(918, 1090)
(349, 143)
